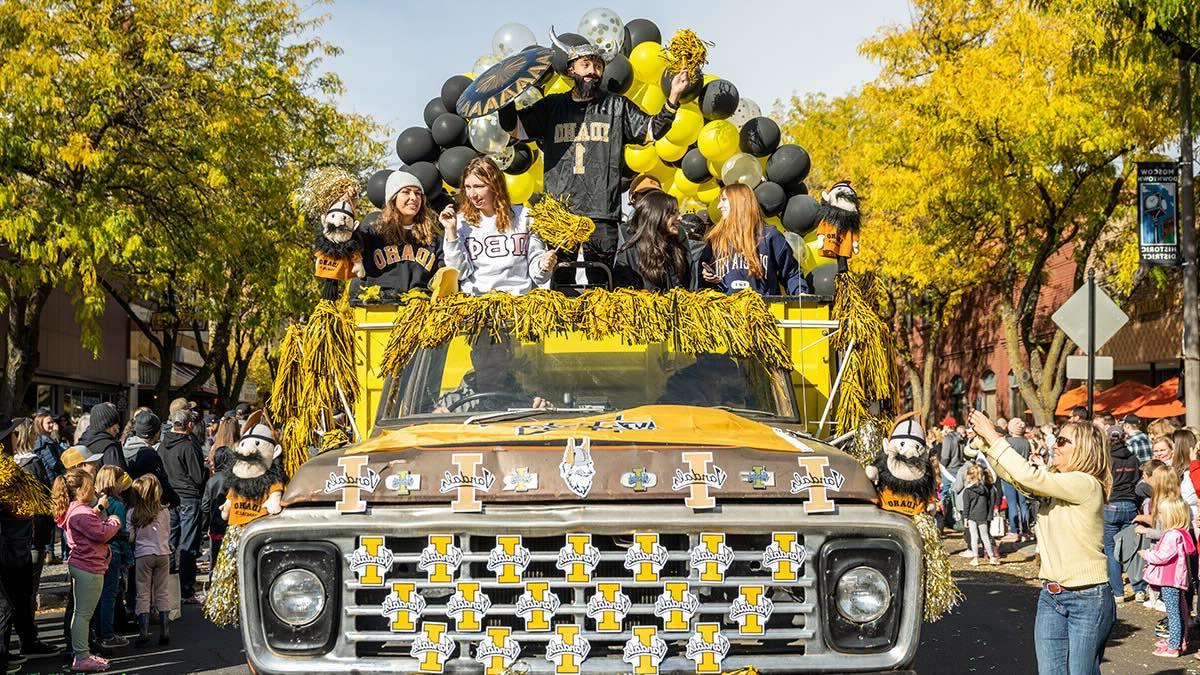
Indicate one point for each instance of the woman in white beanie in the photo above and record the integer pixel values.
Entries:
(403, 248)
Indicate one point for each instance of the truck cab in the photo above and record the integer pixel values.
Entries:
(584, 504)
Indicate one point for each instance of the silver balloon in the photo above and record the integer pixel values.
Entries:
(604, 29)
(486, 134)
(527, 98)
(742, 168)
(512, 38)
(484, 62)
(747, 110)
(504, 158)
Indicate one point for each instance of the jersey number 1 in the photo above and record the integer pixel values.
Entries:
(579, 159)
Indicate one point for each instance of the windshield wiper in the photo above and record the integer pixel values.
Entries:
(745, 411)
(522, 413)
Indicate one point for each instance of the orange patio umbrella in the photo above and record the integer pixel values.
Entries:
(1070, 399)
(1159, 402)
(1120, 394)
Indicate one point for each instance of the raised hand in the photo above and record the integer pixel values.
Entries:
(679, 84)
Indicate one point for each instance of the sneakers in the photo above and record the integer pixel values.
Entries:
(1166, 652)
(993, 561)
(975, 562)
(1140, 596)
(114, 642)
(37, 649)
(95, 664)
(1161, 630)
(1159, 606)
(192, 600)
(966, 553)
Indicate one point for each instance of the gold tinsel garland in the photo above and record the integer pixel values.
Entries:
(323, 189)
(20, 493)
(686, 53)
(867, 370)
(221, 601)
(697, 322)
(554, 224)
(285, 390)
(941, 593)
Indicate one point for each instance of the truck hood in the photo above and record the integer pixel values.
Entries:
(651, 453)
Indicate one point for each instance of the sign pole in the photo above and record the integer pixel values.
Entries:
(1091, 343)
(1191, 280)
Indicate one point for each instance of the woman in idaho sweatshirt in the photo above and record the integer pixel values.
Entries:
(402, 249)
(488, 240)
(745, 253)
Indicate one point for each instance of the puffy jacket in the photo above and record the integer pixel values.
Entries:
(1166, 563)
(88, 537)
(99, 441)
(142, 459)
(50, 452)
(977, 503)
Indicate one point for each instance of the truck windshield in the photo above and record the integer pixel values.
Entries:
(572, 371)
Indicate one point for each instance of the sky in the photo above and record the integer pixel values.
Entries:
(397, 54)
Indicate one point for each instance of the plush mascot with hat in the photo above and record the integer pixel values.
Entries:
(838, 222)
(902, 472)
(255, 482)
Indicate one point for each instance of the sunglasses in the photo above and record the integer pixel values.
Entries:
(1061, 441)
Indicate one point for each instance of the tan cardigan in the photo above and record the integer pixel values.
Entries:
(1070, 524)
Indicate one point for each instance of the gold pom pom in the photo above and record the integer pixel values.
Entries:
(554, 224)
(20, 493)
(323, 189)
(686, 53)
(221, 604)
(941, 592)
(867, 370)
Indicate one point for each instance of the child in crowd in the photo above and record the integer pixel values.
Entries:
(150, 530)
(1167, 570)
(978, 504)
(1145, 492)
(112, 482)
(89, 527)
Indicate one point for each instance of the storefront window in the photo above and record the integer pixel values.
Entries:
(987, 394)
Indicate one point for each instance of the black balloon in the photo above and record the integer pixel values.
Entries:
(800, 214)
(450, 130)
(695, 166)
(427, 173)
(559, 59)
(452, 89)
(639, 31)
(618, 75)
(719, 100)
(692, 91)
(760, 136)
(440, 201)
(771, 197)
(797, 188)
(416, 144)
(452, 163)
(368, 221)
(823, 278)
(377, 187)
(521, 161)
(789, 164)
(434, 108)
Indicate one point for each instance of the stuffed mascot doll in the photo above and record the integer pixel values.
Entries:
(902, 472)
(255, 483)
(337, 250)
(838, 222)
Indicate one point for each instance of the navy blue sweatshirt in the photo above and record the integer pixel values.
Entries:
(781, 272)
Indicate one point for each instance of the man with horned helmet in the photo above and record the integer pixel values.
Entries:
(583, 135)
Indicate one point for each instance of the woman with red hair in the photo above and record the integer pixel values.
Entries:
(744, 252)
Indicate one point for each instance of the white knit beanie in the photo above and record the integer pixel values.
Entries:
(396, 181)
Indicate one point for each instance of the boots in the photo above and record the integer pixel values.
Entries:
(143, 637)
(164, 630)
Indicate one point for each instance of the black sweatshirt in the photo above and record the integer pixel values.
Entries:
(184, 464)
(1125, 473)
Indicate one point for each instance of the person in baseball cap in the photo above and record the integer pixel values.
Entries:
(641, 184)
(80, 456)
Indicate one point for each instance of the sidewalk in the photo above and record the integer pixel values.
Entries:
(56, 586)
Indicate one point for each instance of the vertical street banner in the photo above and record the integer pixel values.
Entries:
(1158, 224)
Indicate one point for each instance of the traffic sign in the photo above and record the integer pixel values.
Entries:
(1072, 318)
(1077, 368)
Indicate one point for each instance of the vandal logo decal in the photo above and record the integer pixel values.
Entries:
(371, 561)
(468, 606)
(699, 479)
(578, 558)
(520, 480)
(440, 559)
(577, 468)
(618, 424)
(784, 557)
(432, 647)
(817, 484)
(707, 647)
(751, 610)
(356, 478)
(403, 606)
(608, 607)
(466, 483)
(509, 559)
(759, 478)
(645, 650)
(498, 651)
(568, 649)
(639, 480)
(676, 606)
(711, 557)
(403, 482)
(537, 606)
(646, 557)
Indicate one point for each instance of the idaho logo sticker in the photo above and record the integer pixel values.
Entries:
(639, 480)
(509, 559)
(608, 607)
(578, 558)
(751, 609)
(577, 468)
(371, 561)
(646, 557)
(759, 478)
(403, 482)
(707, 647)
(520, 480)
(465, 483)
(432, 647)
(784, 557)
(817, 484)
(355, 479)
(699, 480)
(568, 649)
(537, 606)
(468, 606)
(676, 606)
(645, 650)
(441, 559)
(711, 557)
(403, 606)
(498, 651)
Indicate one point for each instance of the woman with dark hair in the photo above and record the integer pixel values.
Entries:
(402, 250)
(744, 252)
(488, 240)
(654, 256)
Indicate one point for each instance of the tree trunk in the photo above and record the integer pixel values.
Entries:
(1040, 392)
(21, 355)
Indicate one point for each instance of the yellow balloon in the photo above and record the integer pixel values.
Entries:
(710, 78)
(652, 99)
(708, 191)
(640, 158)
(687, 187)
(692, 205)
(714, 168)
(559, 85)
(665, 174)
(718, 141)
(714, 213)
(686, 127)
(775, 222)
(669, 151)
(648, 63)
(520, 187)
(636, 92)
(675, 192)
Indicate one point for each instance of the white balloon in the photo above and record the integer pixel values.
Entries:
(486, 134)
(527, 98)
(742, 168)
(747, 110)
(504, 158)
(512, 38)
(484, 62)
(604, 29)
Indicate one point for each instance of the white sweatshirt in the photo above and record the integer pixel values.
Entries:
(488, 260)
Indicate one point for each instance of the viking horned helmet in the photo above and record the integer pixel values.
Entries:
(578, 52)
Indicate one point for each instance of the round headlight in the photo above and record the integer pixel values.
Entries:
(297, 596)
(863, 595)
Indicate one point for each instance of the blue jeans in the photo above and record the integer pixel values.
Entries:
(185, 543)
(1117, 516)
(108, 601)
(1018, 509)
(1071, 629)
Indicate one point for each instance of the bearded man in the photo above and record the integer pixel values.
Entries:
(582, 134)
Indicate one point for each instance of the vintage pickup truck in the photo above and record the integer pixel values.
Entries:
(584, 505)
